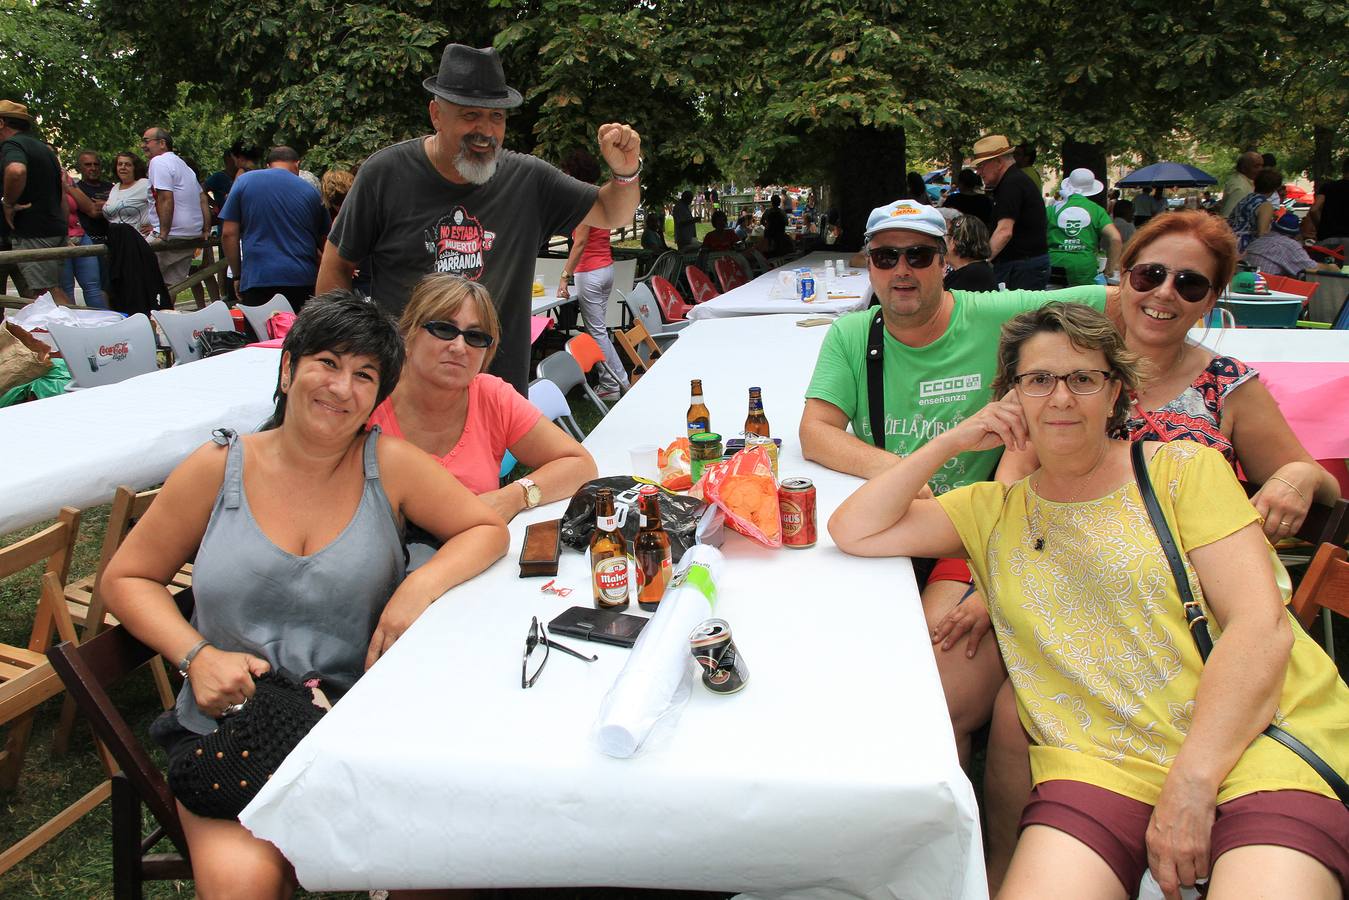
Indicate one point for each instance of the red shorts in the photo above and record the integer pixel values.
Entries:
(1115, 826)
(951, 570)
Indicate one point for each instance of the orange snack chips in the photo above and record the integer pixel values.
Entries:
(744, 487)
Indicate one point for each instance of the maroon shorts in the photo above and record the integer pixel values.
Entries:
(1115, 826)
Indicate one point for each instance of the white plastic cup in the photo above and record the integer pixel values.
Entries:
(643, 459)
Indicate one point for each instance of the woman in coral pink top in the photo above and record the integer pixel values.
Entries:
(448, 406)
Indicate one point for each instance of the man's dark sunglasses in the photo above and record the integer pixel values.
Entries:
(1150, 276)
(448, 331)
(919, 256)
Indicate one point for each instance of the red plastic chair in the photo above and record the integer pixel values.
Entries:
(1303, 289)
(671, 303)
(729, 273)
(700, 284)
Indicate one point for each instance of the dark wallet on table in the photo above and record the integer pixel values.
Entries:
(543, 547)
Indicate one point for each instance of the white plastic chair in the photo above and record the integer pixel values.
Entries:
(257, 316)
(550, 400)
(107, 354)
(644, 308)
(562, 369)
(182, 329)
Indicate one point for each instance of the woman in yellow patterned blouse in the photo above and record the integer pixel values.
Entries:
(1143, 756)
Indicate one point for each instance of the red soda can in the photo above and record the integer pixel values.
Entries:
(796, 504)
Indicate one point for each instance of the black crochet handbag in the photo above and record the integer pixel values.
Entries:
(218, 774)
(1198, 622)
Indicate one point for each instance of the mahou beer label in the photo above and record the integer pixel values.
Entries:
(611, 578)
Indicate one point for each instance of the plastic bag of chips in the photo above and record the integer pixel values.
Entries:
(673, 462)
(744, 487)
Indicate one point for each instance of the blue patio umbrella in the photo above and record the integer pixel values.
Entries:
(1167, 174)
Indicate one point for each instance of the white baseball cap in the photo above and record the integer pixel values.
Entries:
(908, 215)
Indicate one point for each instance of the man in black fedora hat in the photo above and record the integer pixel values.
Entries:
(455, 201)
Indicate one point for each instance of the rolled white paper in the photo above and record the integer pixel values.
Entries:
(648, 687)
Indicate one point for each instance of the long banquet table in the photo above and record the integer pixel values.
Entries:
(77, 448)
(832, 774)
(762, 296)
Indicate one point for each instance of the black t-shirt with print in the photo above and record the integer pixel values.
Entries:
(1016, 198)
(409, 220)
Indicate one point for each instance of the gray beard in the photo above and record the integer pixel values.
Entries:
(474, 171)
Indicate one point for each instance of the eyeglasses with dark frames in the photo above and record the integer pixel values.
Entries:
(918, 256)
(1082, 382)
(448, 331)
(1191, 285)
(537, 643)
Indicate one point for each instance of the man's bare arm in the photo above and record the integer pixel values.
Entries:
(334, 272)
(164, 209)
(1001, 235)
(825, 440)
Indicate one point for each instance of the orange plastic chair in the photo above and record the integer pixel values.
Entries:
(700, 284)
(586, 352)
(671, 303)
(1303, 289)
(729, 273)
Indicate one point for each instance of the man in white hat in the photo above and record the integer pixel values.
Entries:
(922, 362)
(1020, 252)
(454, 201)
(1077, 228)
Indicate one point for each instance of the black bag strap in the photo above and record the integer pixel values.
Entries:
(876, 380)
(1198, 622)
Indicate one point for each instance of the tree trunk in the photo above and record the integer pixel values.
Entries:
(1323, 141)
(1080, 155)
(869, 171)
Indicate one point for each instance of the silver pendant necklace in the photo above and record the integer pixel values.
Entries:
(1036, 532)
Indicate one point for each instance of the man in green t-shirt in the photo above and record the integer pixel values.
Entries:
(939, 354)
(1077, 227)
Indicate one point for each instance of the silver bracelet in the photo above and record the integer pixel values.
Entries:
(627, 179)
(191, 655)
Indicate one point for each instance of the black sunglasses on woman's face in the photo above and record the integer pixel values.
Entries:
(448, 331)
(1189, 284)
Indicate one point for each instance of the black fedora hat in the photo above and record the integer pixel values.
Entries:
(472, 77)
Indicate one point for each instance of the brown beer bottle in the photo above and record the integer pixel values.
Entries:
(608, 555)
(756, 422)
(699, 419)
(651, 547)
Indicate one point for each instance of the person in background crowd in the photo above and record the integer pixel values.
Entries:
(968, 268)
(92, 185)
(590, 263)
(1077, 228)
(1111, 199)
(179, 207)
(1024, 157)
(273, 228)
(449, 406)
(33, 199)
(970, 199)
(1124, 219)
(653, 229)
(455, 201)
(1020, 248)
(1146, 756)
(334, 187)
(236, 160)
(85, 269)
(1280, 252)
(1269, 161)
(1251, 217)
(1241, 182)
(306, 577)
(1328, 219)
(722, 236)
(1144, 207)
(743, 226)
(918, 189)
(129, 200)
(685, 228)
(774, 222)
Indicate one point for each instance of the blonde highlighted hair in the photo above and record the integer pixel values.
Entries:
(439, 297)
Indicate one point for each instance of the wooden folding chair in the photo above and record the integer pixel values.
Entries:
(84, 598)
(1324, 587)
(639, 347)
(88, 671)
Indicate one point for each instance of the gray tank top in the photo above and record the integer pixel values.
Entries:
(312, 613)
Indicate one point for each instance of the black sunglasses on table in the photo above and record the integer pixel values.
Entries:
(448, 331)
(537, 643)
(918, 256)
(1191, 285)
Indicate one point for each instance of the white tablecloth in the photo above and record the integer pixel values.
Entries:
(762, 296)
(833, 774)
(1257, 298)
(1257, 345)
(77, 448)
